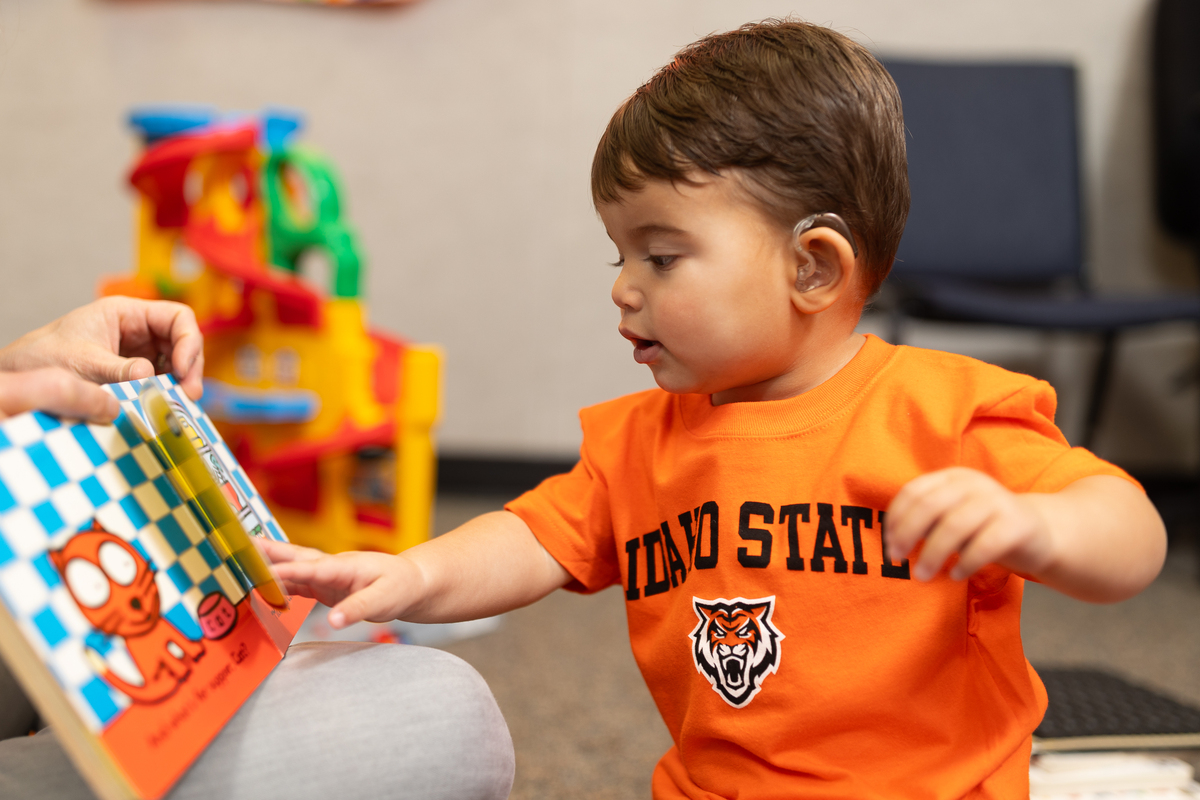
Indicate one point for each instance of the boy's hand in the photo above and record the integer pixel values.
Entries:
(357, 586)
(963, 512)
(490, 565)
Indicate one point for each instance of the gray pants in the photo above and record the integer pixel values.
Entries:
(336, 719)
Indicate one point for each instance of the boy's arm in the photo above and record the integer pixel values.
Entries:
(491, 564)
(1099, 539)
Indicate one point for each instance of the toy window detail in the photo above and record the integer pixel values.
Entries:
(315, 267)
(248, 363)
(373, 486)
(186, 266)
(287, 367)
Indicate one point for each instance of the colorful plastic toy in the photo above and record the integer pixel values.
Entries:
(333, 421)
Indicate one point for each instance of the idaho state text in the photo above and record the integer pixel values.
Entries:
(657, 557)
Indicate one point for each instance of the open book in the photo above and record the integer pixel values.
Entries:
(135, 610)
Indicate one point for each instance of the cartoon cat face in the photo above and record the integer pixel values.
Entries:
(111, 582)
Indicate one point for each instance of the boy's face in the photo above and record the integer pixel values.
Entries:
(705, 287)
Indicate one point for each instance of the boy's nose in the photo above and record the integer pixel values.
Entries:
(624, 294)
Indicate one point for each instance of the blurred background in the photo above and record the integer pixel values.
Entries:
(463, 131)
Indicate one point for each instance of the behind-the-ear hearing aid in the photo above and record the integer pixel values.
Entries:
(810, 275)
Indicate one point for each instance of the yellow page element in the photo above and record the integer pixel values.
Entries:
(191, 478)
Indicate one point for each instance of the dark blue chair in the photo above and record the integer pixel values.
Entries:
(995, 231)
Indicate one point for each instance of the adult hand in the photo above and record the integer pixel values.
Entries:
(110, 340)
(57, 391)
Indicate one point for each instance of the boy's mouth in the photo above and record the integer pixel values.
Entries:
(645, 350)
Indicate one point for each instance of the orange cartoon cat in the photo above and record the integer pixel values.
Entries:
(115, 590)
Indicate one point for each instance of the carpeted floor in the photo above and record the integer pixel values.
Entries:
(585, 728)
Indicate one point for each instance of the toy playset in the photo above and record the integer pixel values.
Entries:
(332, 421)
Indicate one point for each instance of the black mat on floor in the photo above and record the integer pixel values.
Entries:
(1092, 703)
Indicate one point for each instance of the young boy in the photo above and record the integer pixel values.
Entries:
(756, 191)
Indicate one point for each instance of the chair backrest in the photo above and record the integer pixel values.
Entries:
(993, 162)
(1177, 116)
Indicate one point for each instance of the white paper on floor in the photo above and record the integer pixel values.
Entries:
(1110, 776)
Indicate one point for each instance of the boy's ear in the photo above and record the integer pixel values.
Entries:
(825, 269)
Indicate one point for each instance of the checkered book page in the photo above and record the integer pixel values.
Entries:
(58, 478)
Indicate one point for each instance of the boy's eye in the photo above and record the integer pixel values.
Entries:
(661, 262)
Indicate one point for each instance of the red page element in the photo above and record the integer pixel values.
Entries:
(155, 743)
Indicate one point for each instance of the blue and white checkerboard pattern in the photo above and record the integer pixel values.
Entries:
(55, 477)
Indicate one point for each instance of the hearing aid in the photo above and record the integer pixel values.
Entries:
(810, 275)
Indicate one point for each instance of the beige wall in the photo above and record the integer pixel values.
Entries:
(464, 130)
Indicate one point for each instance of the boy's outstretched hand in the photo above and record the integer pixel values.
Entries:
(1099, 539)
(357, 586)
(491, 564)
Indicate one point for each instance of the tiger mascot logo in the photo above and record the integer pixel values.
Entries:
(735, 645)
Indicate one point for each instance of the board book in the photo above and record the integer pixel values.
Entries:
(134, 609)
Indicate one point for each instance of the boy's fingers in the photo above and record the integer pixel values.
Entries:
(371, 601)
(950, 535)
(297, 571)
(991, 544)
(298, 589)
(1010, 535)
(302, 570)
(331, 575)
(283, 552)
(910, 496)
(920, 515)
(917, 487)
(276, 552)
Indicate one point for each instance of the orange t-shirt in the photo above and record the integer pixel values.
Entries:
(788, 657)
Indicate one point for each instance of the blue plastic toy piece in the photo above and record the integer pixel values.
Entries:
(280, 125)
(155, 122)
(239, 405)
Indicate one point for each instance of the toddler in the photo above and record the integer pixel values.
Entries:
(822, 538)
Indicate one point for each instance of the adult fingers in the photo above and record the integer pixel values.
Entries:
(98, 364)
(173, 326)
(156, 330)
(54, 390)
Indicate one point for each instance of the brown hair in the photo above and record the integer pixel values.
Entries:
(809, 119)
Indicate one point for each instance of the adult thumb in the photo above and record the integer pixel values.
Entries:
(102, 366)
